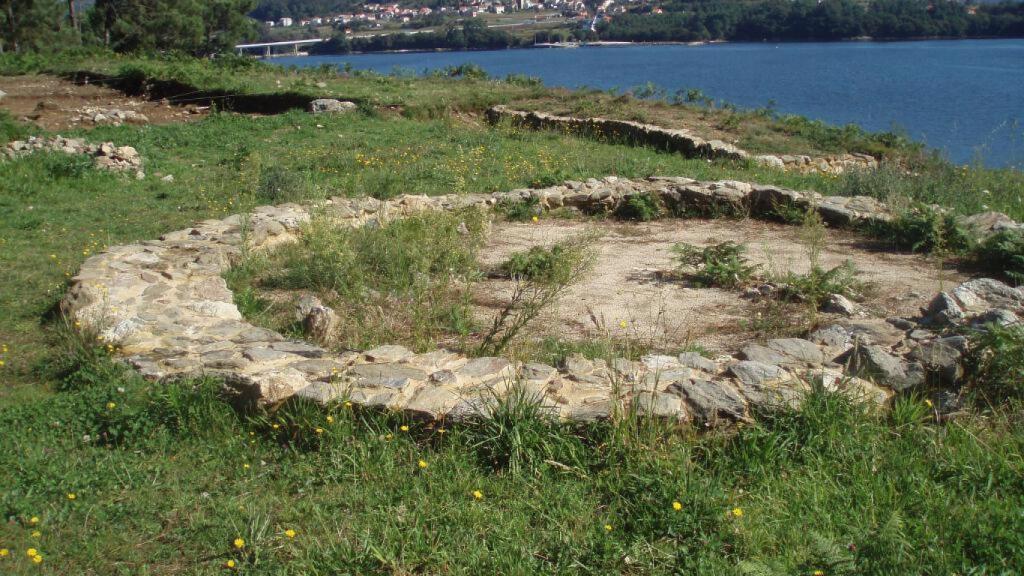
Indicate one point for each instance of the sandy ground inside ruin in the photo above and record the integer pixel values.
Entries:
(625, 286)
(54, 103)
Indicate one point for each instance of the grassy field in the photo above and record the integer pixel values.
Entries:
(102, 473)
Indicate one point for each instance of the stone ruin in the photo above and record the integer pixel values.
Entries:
(168, 310)
(106, 156)
(678, 140)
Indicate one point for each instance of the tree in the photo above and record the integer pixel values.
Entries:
(30, 24)
(195, 26)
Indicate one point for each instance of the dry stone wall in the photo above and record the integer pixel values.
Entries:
(676, 140)
(168, 310)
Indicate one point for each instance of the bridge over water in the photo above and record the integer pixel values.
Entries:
(268, 47)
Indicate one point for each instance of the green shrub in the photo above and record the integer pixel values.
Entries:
(816, 286)
(541, 276)
(519, 210)
(640, 207)
(926, 230)
(721, 265)
(997, 364)
(540, 264)
(1003, 253)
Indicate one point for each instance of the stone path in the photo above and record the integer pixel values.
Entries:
(676, 140)
(166, 307)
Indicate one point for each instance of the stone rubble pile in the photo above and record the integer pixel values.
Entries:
(167, 308)
(108, 116)
(106, 156)
(675, 140)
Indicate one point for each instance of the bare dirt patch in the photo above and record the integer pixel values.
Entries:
(626, 284)
(56, 104)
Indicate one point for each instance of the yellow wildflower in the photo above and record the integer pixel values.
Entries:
(423, 464)
(33, 520)
(4, 552)
(928, 403)
(319, 430)
(535, 219)
(31, 552)
(239, 543)
(737, 512)
(677, 506)
(607, 527)
(348, 404)
(289, 533)
(478, 495)
(37, 559)
(72, 496)
(230, 563)
(36, 533)
(246, 466)
(111, 405)
(622, 324)
(330, 419)
(404, 428)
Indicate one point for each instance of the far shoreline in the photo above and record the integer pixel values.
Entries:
(628, 43)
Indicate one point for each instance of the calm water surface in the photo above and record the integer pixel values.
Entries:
(963, 97)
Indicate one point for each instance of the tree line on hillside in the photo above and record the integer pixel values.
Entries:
(194, 26)
(276, 9)
(689, 21)
(469, 34)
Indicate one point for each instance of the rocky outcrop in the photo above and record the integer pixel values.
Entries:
(106, 156)
(330, 105)
(675, 140)
(168, 310)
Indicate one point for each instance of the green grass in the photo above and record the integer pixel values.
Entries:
(166, 478)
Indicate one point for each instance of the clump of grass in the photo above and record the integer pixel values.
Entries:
(720, 265)
(278, 184)
(640, 207)
(404, 281)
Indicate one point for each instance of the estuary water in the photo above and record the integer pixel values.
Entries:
(962, 97)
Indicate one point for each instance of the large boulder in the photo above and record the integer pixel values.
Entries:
(973, 299)
(987, 224)
(873, 363)
(330, 105)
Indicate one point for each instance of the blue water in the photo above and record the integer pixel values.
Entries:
(964, 97)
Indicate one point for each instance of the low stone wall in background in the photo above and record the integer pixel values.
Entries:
(676, 140)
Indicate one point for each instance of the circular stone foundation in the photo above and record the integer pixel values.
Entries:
(631, 292)
(165, 306)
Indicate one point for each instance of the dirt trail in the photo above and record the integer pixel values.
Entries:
(624, 285)
(56, 104)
